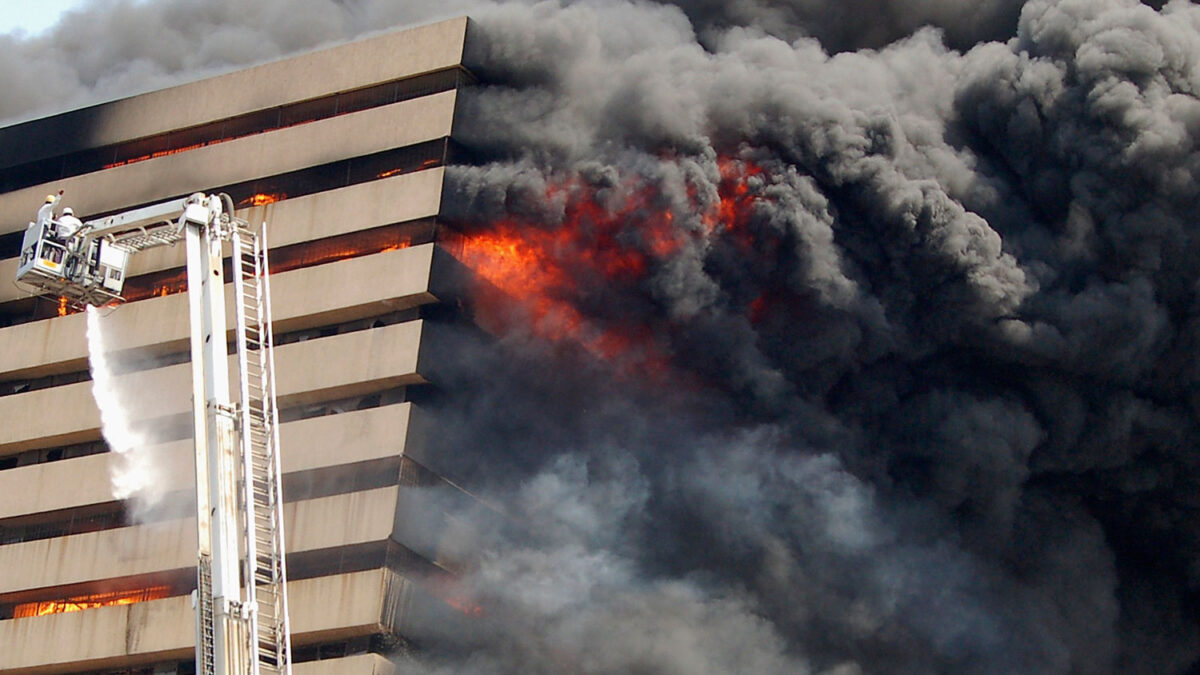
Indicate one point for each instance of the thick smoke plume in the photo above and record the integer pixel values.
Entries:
(906, 381)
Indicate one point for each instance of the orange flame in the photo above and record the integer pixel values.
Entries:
(170, 289)
(62, 306)
(429, 163)
(82, 602)
(262, 199)
(546, 270)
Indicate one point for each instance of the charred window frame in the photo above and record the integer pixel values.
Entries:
(62, 523)
(54, 454)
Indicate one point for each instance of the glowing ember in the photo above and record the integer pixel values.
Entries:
(449, 590)
(82, 602)
(465, 606)
(320, 255)
(427, 164)
(157, 154)
(547, 271)
(170, 289)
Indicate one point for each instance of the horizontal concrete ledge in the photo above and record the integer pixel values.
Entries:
(397, 199)
(267, 154)
(350, 66)
(303, 298)
(305, 445)
(326, 368)
(363, 206)
(327, 522)
(325, 608)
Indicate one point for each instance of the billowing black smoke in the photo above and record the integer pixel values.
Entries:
(946, 420)
(930, 409)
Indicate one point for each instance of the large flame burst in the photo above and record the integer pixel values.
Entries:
(544, 273)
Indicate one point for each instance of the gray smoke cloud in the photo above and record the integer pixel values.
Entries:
(930, 398)
(859, 24)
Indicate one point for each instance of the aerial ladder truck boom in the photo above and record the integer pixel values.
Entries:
(241, 595)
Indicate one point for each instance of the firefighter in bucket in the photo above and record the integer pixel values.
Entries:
(42, 244)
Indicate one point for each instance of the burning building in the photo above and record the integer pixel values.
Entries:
(343, 153)
(798, 342)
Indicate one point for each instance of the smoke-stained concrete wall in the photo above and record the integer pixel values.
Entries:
(928, 407)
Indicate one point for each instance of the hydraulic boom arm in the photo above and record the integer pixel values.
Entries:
(241, 597)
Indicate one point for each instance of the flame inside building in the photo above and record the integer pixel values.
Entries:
(261, 199)
(545, 271)
(90, 601)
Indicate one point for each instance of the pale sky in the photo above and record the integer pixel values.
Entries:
(32, 16)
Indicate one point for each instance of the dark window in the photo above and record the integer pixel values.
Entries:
(363, 99)
(308, 111)
(43, 455)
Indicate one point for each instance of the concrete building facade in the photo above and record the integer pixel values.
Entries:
(341, 152)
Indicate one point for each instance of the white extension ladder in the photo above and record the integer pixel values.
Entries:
(266, 573)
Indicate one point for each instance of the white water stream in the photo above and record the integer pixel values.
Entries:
(133, 474)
